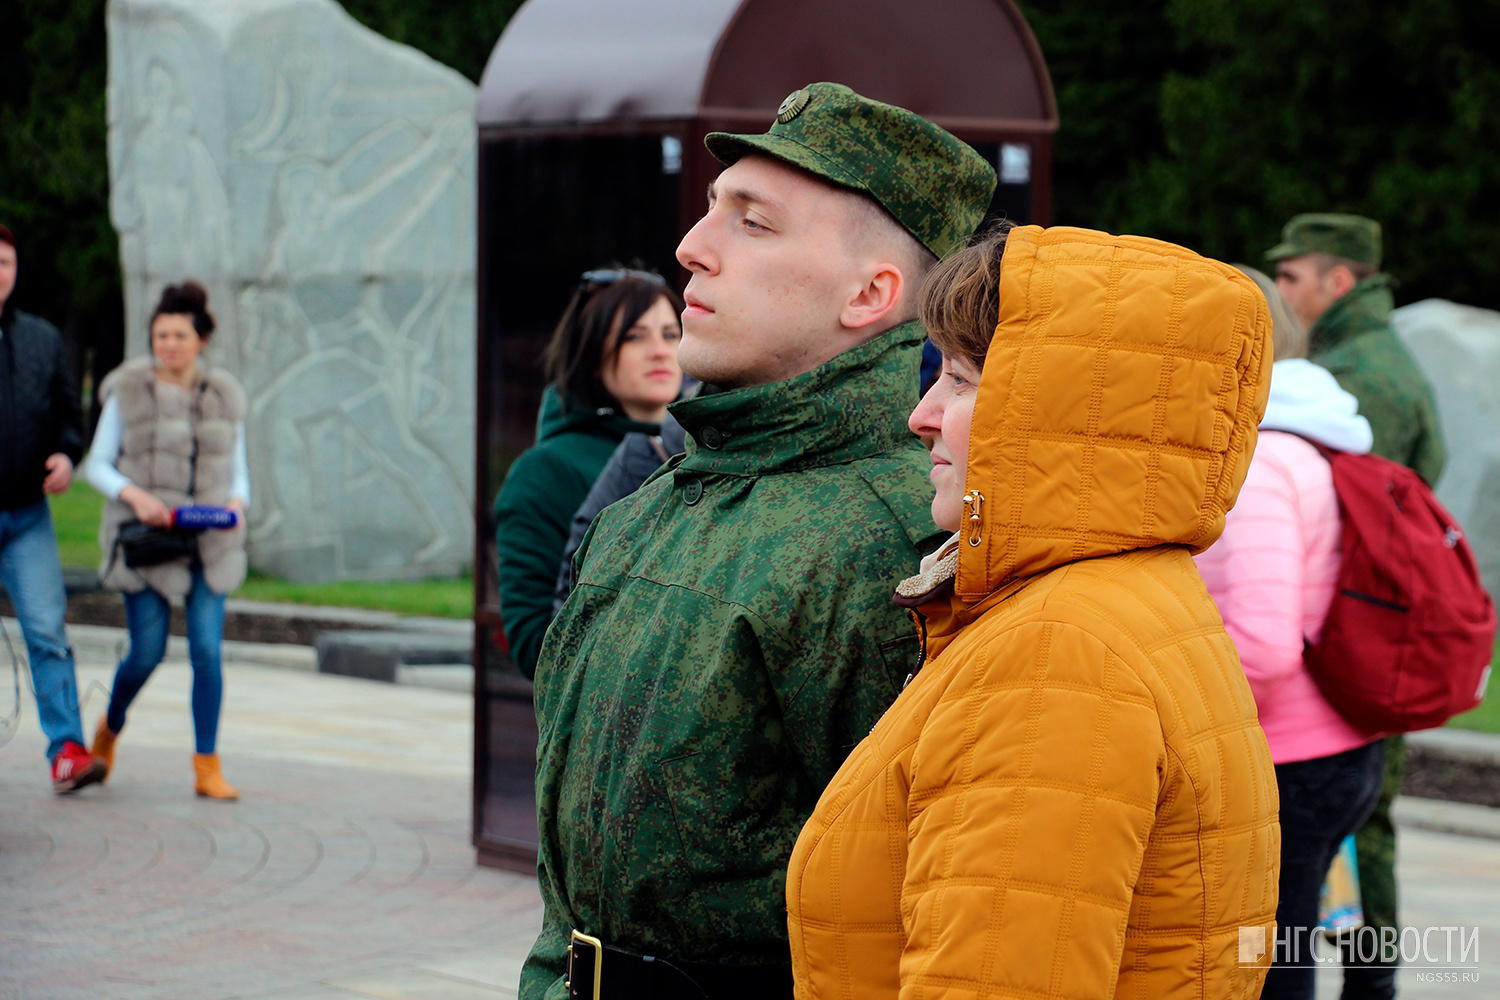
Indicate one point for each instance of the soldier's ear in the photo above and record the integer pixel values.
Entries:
(873, 300)
(1343, 280)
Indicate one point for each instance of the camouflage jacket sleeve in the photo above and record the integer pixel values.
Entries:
(848, 645)
(694, 699)
(845, 678)
(1394, 397)
(1430, 454)
(546, 968)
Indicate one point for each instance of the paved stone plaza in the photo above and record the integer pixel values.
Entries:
(345, 870)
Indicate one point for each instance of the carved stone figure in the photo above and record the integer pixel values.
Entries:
(319, 180)
(1458, 349)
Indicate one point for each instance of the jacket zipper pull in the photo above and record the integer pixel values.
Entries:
(973, 500)
(922, 642)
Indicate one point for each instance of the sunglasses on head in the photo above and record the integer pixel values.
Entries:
(608, 276)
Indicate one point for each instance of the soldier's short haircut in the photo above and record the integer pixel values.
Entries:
(959, 303)
(872, 229)
(1326, 262)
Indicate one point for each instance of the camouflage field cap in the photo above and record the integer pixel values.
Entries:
(933, 183)
(1350, 236)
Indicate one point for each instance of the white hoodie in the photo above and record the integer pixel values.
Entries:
(1307, 400)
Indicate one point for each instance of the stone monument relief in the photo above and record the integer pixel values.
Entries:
(1458, 349)
(318, 179)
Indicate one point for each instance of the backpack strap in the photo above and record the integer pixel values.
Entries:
(1327, 452)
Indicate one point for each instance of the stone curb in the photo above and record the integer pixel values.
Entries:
(1446, 817)
(349, 618)
(1481, 748)
(108, 642)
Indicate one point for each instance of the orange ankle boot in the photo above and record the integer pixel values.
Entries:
(211, 783)
(103, 749)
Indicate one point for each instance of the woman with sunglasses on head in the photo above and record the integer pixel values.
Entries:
(171, 434)
(611, 369)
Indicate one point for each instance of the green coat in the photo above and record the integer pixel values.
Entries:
(534, 511)
(730, 638)
(1354, 340)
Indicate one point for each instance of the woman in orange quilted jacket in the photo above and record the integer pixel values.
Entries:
(1071, 797)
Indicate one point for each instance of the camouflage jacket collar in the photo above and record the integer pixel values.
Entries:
(853, 407)
(1366, 306)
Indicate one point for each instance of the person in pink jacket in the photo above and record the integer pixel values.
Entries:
(1272, 574)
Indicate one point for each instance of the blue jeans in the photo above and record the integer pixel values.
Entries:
(149, 615)
(33, 576)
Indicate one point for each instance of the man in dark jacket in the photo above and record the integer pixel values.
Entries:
(41, 439)
(731, 633)
(1327, 267)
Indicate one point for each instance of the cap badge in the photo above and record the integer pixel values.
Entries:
(794, 105)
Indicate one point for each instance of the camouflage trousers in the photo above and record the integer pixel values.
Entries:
(1375, 844)
(1375, 848)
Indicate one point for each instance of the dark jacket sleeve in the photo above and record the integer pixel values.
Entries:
(631, 465)
(530, 532)
(67, 416)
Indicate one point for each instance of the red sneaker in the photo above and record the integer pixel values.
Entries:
(73, 768)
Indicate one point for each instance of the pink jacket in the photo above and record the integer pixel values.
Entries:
(1273, 571)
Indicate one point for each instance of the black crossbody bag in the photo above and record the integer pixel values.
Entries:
(141, 544)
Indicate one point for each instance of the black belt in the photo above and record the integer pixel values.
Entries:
(597, 971)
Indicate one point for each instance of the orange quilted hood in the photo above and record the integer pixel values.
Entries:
(1118, 405)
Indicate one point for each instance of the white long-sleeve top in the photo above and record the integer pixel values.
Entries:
(99, 467)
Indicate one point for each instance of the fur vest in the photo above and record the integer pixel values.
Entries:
(163, 422)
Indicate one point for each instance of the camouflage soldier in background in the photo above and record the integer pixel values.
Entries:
(730, 635)
(1327, 268)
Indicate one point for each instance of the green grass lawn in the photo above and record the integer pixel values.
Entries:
(75, 515)
(1485, 718)
(437, 598)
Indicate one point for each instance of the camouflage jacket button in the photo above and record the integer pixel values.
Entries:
(692, 492)
(710, 438)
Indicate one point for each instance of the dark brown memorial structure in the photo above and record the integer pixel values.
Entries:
(591, 122)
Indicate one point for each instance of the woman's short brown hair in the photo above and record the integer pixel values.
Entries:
(960, 301)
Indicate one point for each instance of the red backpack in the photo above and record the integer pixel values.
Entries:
(1410, 632)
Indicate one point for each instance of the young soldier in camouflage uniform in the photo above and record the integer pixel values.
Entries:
(730, 635)
(1327, 268)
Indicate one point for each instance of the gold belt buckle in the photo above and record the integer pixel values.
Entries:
(579, 938)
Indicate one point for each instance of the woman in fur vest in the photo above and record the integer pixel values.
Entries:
(172, 433)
